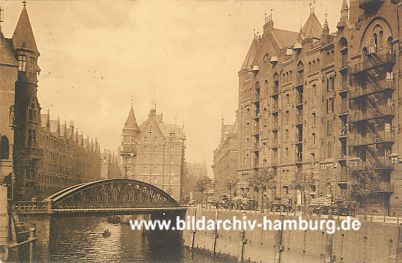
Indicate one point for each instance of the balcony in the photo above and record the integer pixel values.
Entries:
(371, 61)
(257, 97)
(377, 165)
(343, 136)
(379, 86)
(344, 108)
(299, 81)
(275, 109)
(344, 61)
(276, 91)
(358, 141)
(385, 188)
(299, 119)
(344, 87)
(374, 113)
(342, 156)
(299, 102)
(343, 181)
(299, 157)
(274, 144)
(256, 148)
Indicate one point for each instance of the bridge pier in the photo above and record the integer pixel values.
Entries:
(40, 223)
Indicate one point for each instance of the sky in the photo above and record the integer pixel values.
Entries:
(97, 55)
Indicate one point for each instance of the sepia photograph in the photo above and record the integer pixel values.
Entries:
(211, 131)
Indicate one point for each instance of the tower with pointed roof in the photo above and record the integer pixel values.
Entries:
(312, 28)
(44, 155)
(128, 149)
(27, 108)
(153, 152)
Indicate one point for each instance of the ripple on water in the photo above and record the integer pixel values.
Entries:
(76, 239)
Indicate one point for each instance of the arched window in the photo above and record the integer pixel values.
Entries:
(375, 42)
(276, 83)
(380, 40)
(300, 72)
(389, 45)
(257, 89)
(32, 112)
(4, 148)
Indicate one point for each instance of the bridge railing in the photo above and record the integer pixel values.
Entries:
(31, 206)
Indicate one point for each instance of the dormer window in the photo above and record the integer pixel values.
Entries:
(32, 69)
(22, 63)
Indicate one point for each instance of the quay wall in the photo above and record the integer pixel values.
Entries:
(375, 242)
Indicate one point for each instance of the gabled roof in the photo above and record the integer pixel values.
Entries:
(170, 129)
(284, 38)
(165, 130)
(6, 55)
(251, 55)
(131, 122)
(312, 28)
(23, 36)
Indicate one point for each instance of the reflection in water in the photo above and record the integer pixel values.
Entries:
(79, 239)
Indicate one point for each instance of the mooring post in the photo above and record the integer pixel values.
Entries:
(278, 242)
(328, 258)
(243, 241)
(216, 231)
(32, 238)
(193, 233)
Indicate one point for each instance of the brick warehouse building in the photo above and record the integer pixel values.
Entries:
(319, 107)
(44, 155)
(153, 152)
(225, 159)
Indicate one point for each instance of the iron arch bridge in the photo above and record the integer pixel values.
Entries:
(109, 196)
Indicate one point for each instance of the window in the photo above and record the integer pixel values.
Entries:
(32, 65)
(4, 148)
(330, 84)
(330, 150)
(313, 135)
(22, 63)
(32, 113)
(330, 105)
(287, 98)
(31, 138)
(314, 117)
(287, 115)
(329, 127)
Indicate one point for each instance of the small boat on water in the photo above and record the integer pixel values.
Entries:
(114, 219)
(106, 233)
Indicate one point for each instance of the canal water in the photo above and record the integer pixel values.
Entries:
(79, 239)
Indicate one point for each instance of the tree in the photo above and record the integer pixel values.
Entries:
(366, 183)
(230, 184)
(260, 181)
(304, 182)
(202, 185)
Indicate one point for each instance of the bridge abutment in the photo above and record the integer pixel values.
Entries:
(40, 225)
